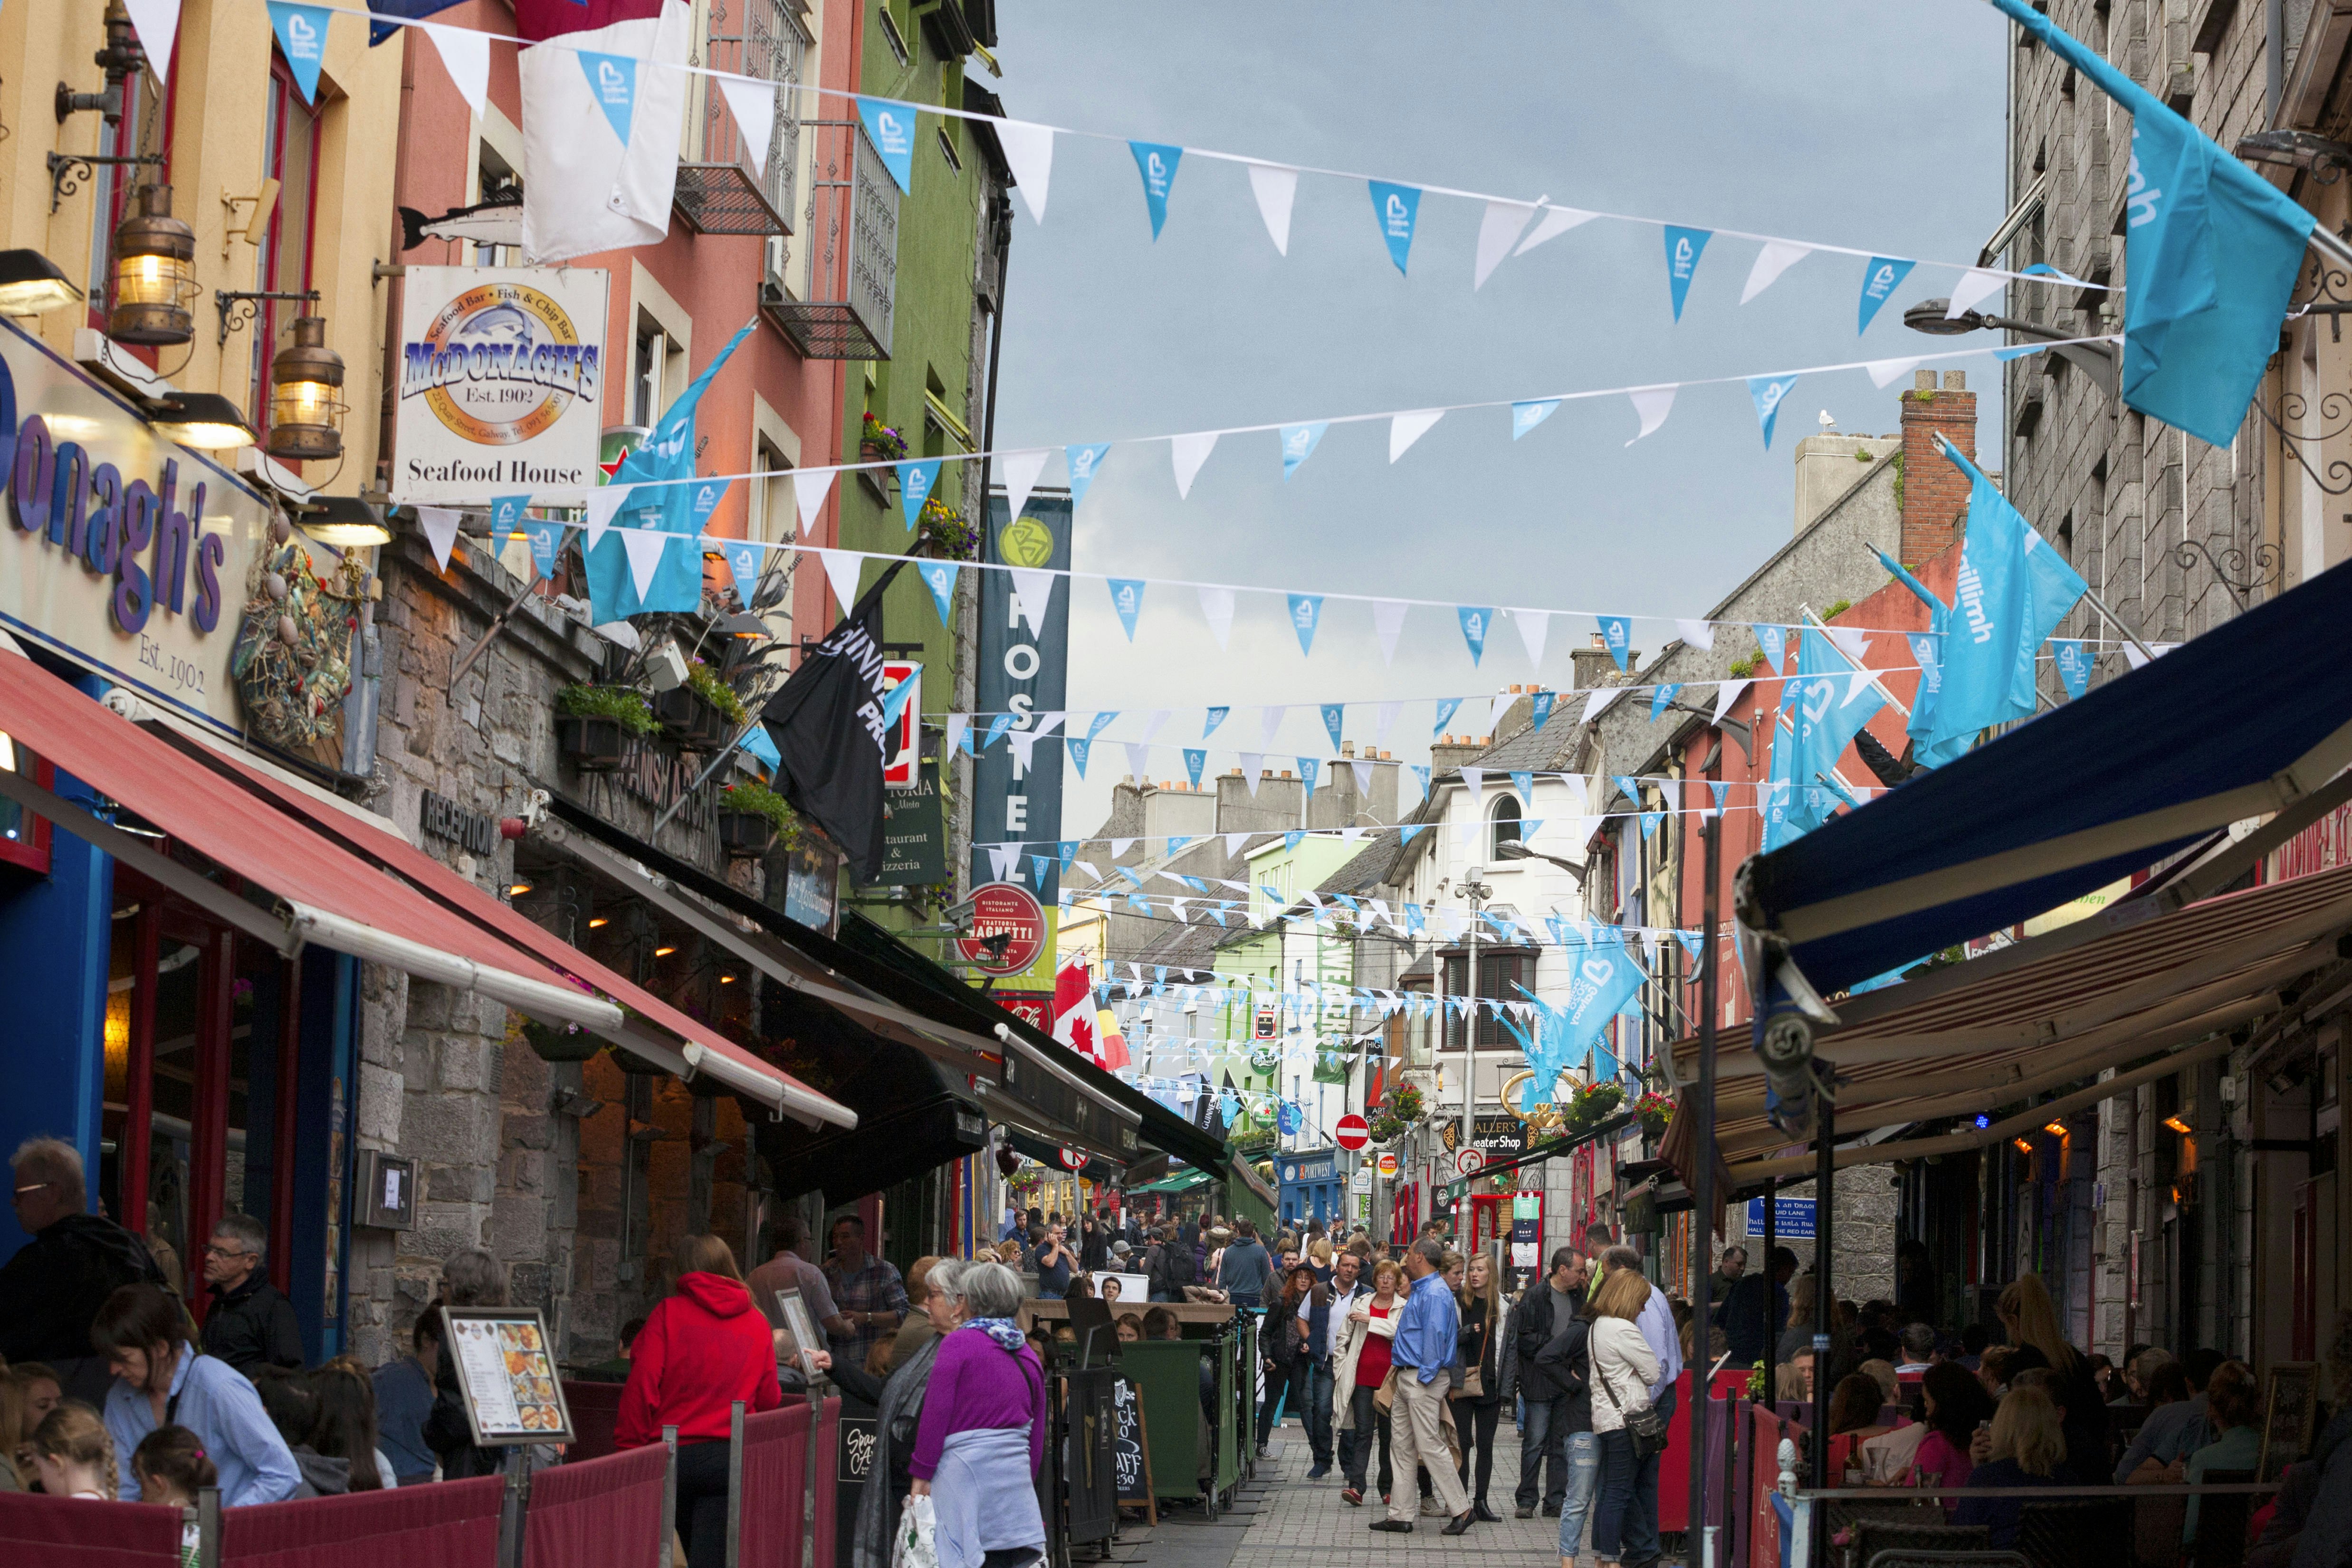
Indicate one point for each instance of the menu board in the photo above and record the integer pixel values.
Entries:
(802, 1329)
(506, 1375)
(1130, 1452)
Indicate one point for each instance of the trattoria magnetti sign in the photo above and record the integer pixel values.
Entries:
(500, 379)
(123, 552)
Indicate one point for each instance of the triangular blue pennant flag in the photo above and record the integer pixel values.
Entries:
(1475, 620)
(1720, 790)
(916, 479)
(743, 565)
(613, 83)
(1334, 716)
(758, 742)
(1298, 442)
(1629, 786)
(1127, 598)
(543, 534)
(1528, 828)
(1042, 865)
(1617, 636)
(1660, 696)
(1445, 707)
(893, 701)
(1525, 783)
(890, 126)
(1307, 769)
(1542, 706)
(2213, 251)
(1774, 641)
(1396, 206)
(1068, 850)
(1157, 164)
(302, 38)
(1074, 748)
(1879, 280)
(1526, 417)
(2073, 664)
(506, 517)
(1422, 774)
(1211, 719)
(1306, 615)
(660, 473)
(940, 578)
(1100, 722)
(1290, 840)
(1086, 462)
(1683, 247)
(707, 494)
(996, 727)
(1693, 943)
(1768, 391)
(1195, 762)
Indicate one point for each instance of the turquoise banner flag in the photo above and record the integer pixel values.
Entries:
(1396, 206)
(1306, 615)
(661, 469)
(1157, 164)
(1828, 712)
(1298, 443)
(1617, 636)
(2211, 254)
(1195, 762)
(1768, 391)
(1085, 463)
(1526, 417)
(544, 535)
(302, 38)
(1879, 280)
(506, 517)
(1445, 707)
(1683, 247)
(1774, 641)
(1927, 653)
(940, 578)
(613, 83)
(917, 479)
(1475, 620)
(890, 126)
(1542, 706)
(1127, 598)
(1307, 769)
(1660, 697)
(2013, 590)
(2074, 660)
(743, 559)
(1335, 714)
(1076, 749)
(1525, 783)
(1211, 719)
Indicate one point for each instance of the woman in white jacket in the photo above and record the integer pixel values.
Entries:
(1623, 1367)
(1359, 1366)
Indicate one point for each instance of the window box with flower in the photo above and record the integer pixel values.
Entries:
(945, 533)
(880, 443)
(752, 819)
(595, 725)
(704, 713)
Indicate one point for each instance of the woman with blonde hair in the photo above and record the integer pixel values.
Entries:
(1798, 1334)
(1623, 1367)
(1359, 1368)
(73, 1454)
(2029, 1315)
(2028, 1449)
(1481, 1335)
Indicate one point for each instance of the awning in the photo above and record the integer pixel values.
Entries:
(1183, 1181)
(1048, 1153)
(269, 812)
(1240, 1170)
(913, 1116)
(2253, 717)
(2175, 986)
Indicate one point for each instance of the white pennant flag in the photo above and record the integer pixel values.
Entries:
(1699, 635)
(809, 488)
(1404, 429)
(1477, 779)
(1857, 681)
(1557, 221)
(1384, 720)
(1033, 595)
(1503, 700)
(1138, 763)
(1234, 844)
(1363, 772)
(1599, 698)
(1029, 152)
(602, 504)
(841, 570)
(957, 725)
(1504, 223)
(1120, 846)
(752, 102)
(1885, 373)
(1217, 609)
(439, 523)
(1725, 695)
(1653, 404)
(1977, 285)
(1275, 186)
(1189, 453)
(1269, 720)
(1151, 725)
(1852, 641)
(1388, 619)
(645, 546)
(1777, 257)
(157, 23)
(1252, 763)
(1001, 860)
(1021, 471)
(1534, 625)
(466, 56)
(1024, 741)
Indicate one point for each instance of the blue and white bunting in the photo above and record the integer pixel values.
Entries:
(302, 38)
(915, 481)
(1774, 641)
(1396, 206)
(1446, 707)
(1879, 280)
(1196, 760)
(613, 83)
(743, 565)
(1475, 621)
(1298, 442)
(1127, 598)
(1306, 615)
(1085, 461)
(1211, 719)
(1526, 417)
(2073, 666)
(1156, 162)
(890, 126)
(940, 578)
(1683, 247)
(1768, 391)
(1077, 751)
(1307, 769)
(1660, 697)
(1542, 706)
(1617, 636)
(544, 534)
(1334, 715)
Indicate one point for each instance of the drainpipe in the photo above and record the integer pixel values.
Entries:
(2274, 58)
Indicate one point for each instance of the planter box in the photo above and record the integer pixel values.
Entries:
(592, 745)
(711, 729)
(682, 712)
(745, 835)
(552, 1043)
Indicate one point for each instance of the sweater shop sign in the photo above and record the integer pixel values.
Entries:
(499, 381)
(122, 551)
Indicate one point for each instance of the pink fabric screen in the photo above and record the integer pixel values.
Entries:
(828, 1490)
(599, 1513)
(69, 1532)
(450, 1524)
(775, 1486)
(595, 1409)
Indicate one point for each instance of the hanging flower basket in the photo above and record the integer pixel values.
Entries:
(745, 835)
(1655, 1110)
(1594, 1104)
(560, 1042)
(592, 745)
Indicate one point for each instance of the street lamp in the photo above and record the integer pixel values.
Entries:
(1477, 892)
(2096, 361)
(154, 273)
(1514, 849)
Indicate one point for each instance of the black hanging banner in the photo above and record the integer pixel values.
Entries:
(828, 726)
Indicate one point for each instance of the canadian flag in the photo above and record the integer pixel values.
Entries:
(1074, 1018)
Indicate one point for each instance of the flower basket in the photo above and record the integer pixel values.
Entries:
(592, 745)
(872, 452)
(689, 719)
(1593, 1105)
(745, 835)
(1655, 1110)
(560, 1042)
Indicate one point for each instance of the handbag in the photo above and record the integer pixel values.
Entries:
(1474, 1381)
(1384, 1397)
(1645, 1428)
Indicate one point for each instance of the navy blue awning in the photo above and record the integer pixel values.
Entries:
(2246, 720)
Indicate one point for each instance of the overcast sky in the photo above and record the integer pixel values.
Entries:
(1870, 124)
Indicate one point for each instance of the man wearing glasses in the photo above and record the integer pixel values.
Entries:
(50, 1291)
(250, 1324)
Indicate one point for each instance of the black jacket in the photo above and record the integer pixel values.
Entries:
(1542, 1378)
(1479, 1344)
(253, 1326)
(1173, 1268)
(50, 1291)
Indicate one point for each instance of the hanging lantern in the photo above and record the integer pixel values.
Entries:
(154, 273)
(306, 403)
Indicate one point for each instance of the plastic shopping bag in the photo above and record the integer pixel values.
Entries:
(917, 1542)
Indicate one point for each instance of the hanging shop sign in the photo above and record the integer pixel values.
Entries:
(1004, 910)
(905, 763)
(500, 382)
(914, 831)
(1388, 1165)
(124, 552)
(1024, 650)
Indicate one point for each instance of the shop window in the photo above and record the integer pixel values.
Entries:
(1500, 975)
(1506, 820)
(290, 154)
(24, 838)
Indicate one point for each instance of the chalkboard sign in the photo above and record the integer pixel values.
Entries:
(2290, 1402)
(853, 1462)
(1133, 1450)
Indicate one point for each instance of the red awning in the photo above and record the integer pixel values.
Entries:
(701, 1048)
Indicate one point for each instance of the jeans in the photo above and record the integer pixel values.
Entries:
(1284, 1389)
(1539, 1440)
(1474, 1427)
(1641, 1527)
(1614, 1503)
(1316, 1412)
(701, 1517)
(1368, 1420)
(1583, 1459)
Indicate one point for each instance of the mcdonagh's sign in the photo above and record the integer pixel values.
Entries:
(499, 381)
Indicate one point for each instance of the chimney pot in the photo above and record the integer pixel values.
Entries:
(1924, 381)
(1956, 381)
(1286, 772)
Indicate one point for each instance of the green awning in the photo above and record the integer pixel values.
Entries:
(1182, 1181)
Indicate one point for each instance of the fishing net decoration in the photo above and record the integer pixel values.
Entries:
(292, 660)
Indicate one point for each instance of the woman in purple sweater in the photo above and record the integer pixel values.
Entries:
(983, 1433)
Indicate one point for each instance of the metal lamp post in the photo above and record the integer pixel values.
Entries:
(1476, 892)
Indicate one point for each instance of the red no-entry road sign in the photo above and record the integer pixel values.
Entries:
(1351, 1132)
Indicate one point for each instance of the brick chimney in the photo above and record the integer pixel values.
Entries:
(1935, 493)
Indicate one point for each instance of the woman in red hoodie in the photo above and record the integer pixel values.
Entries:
(700, 1351)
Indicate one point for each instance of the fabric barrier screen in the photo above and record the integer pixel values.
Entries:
(68, 1532)
(828, 1531)
(600, 1513)
(451, 1524)
(775, 1486)
(595, 1410)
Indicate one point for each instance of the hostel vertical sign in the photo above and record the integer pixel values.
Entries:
(1024, 671)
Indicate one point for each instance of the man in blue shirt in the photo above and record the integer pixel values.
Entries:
(1428, 1341)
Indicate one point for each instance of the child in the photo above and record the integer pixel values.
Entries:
(171, 1466)
(73, 1454)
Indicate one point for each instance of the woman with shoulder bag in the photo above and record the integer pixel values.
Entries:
(1480, 1396)
(899, 1412)
(1285, 1360)
(1629, 1432)
(1359, 1369)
